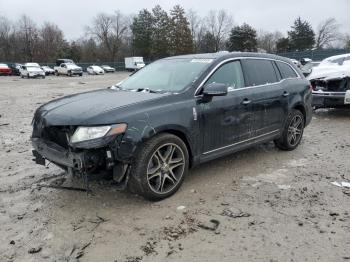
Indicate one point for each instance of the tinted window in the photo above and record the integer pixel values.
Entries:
(230, 74)
(259, 72)
(286, 71)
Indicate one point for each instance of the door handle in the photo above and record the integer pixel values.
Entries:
(285, 94)
(246, 101)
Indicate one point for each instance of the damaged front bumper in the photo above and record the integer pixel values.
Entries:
(83, 160)
(54, 153)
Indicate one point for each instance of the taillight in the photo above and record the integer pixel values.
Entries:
(312, 88)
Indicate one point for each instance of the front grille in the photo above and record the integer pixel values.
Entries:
(58, 135)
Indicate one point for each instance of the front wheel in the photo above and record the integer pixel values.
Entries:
(159, 167)
(292, 132)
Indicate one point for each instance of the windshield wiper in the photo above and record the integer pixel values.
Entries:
(146, 90)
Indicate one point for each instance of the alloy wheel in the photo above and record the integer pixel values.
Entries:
(165, 168)
(295, 130)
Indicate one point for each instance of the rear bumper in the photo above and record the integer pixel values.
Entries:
(329, 99)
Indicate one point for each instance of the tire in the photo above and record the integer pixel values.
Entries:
(292, 132)
(69, 73)
(28, 76)
(22, 76)
(81, 74)
(150, 177)
(56, 73)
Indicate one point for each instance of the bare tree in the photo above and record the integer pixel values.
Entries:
(267, 40)
(194, 21)
(109, 30)
(346, 41)
(219, 24)
(327, 33)
(5, 38)
(28, 36)
(51, 42)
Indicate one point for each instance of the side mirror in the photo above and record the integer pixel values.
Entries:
(215, 89)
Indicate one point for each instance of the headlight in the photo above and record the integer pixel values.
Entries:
(94, 132)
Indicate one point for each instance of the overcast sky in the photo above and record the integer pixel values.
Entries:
(72, 15)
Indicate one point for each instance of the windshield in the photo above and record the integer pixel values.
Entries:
(33, 68)
(169, 75)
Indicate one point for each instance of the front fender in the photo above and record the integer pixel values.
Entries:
(143, 129)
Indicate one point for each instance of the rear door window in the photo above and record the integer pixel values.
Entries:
(229, 74)
(286, 70)
(259, 72)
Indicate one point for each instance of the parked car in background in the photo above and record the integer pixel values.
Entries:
(108, 69)
(172, 115)
(134, 63)
(32, 70)
(68, 69)
(15, 69)
(296, 62)
(330, 81)
(48, 70)
(305, 60)
(307, 68)
(64, 60)
(5, 70)
(95, 70)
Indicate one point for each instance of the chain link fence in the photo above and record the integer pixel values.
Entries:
(315, 55)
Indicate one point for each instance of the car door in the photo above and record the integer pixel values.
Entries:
(226, 120)
(23, 71)
(63, 69)
(267, 102)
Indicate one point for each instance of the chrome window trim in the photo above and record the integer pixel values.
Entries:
(240, 142)
(241, 58)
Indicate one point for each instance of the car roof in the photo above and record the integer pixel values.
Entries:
(226, 55)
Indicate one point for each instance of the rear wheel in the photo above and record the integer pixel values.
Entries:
(292, 132)
(160, 167)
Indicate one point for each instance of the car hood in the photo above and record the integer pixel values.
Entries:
(34, 70)
(91, 108)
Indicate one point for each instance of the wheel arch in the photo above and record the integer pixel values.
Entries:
(180, 134)
(301, 108)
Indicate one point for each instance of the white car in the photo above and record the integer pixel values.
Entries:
(108, 69)
(339, 64)
(48, 70)
(95, 70)
(32, 70)
(296, 62)
(68, 69)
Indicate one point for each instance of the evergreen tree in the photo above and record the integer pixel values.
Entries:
(180, 35)
(142, 28)
(242, 38)
(161, 33)
(301, 37)
(282, 45)
(207, 44)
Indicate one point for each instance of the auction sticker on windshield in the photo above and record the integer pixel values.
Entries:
(207, 61)
(347, 97)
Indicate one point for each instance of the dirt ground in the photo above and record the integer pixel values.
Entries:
(261, 204)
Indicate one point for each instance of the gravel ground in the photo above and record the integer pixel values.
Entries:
(261, 204)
